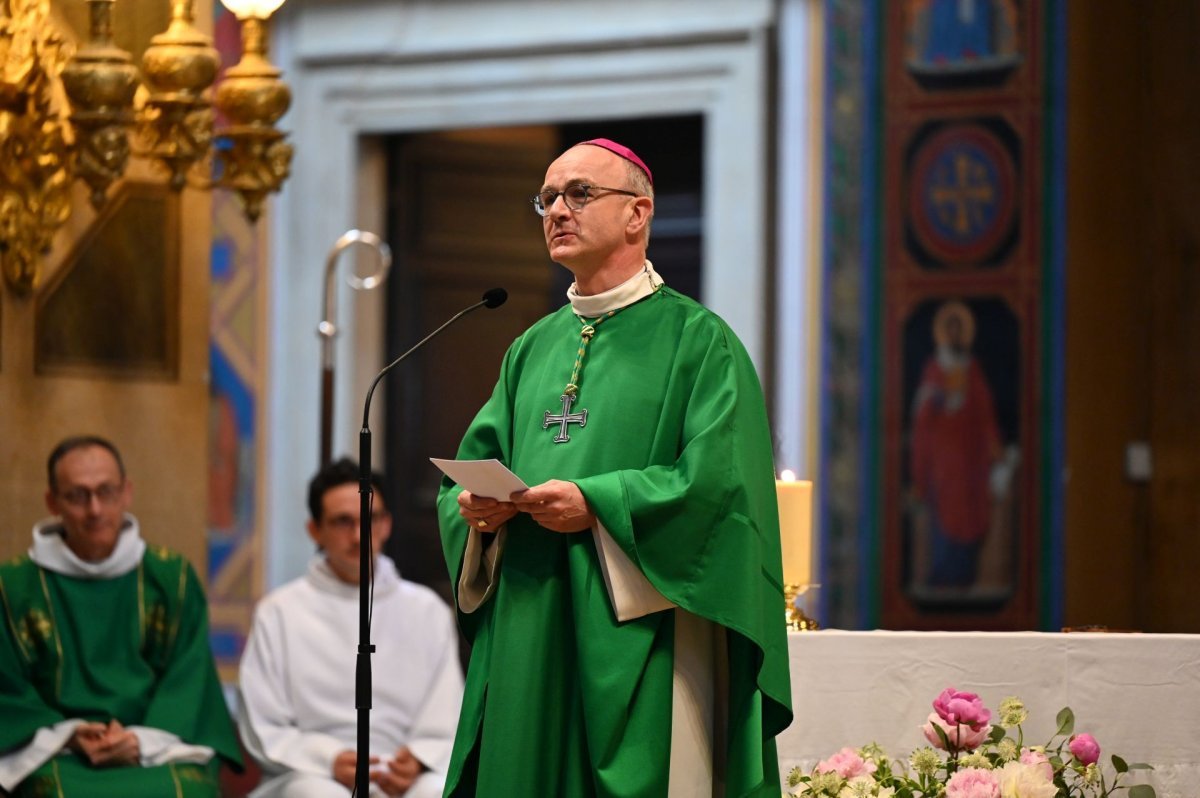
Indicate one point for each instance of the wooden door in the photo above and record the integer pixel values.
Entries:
(461, 224)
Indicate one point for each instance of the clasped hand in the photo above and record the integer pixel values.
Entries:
(394, 777)
(556, 505)
(105, 745)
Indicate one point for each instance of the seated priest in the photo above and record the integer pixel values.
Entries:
(107, 681)
(298, 715)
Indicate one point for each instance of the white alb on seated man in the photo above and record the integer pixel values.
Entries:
(298, 716)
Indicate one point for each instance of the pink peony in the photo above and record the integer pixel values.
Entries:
(1085, 748)
(958, 708)
(1039, 761)
(847, 764)
(973, 783)
(962, 738)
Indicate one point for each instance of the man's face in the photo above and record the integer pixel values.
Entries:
(91, 498)
(337, 531)
(582, 239)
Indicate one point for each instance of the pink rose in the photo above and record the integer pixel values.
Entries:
(847, 764)
(1084, 748)
(1039, 761)
(957, 708)
(973, 783)
(962, 738)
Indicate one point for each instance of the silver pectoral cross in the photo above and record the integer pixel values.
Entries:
(565, 418)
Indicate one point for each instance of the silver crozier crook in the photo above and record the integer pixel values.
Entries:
(327, 329)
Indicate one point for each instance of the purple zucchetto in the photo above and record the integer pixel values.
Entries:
(624, 152)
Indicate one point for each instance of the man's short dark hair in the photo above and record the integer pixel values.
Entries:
(336, 474)
(68, 445)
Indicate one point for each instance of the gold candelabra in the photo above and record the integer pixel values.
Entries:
(70, 112)
(797, 619)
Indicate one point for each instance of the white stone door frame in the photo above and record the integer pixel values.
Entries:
(360, 69)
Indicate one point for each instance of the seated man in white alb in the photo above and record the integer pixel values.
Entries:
(298, 716)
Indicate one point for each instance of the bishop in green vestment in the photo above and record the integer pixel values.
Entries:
(625, 612)
(107, 682)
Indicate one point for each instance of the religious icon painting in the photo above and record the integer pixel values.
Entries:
(961, 199)
(959, 518)
(962, 44)
(956, 271)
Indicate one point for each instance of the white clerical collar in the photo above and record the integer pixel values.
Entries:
(50, 551)
(387, 578)
(639, 286)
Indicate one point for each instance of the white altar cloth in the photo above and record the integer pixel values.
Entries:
(1137, 694)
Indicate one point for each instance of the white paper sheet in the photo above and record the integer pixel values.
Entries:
(489, 478)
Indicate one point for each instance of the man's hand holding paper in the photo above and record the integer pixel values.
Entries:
(486, 484)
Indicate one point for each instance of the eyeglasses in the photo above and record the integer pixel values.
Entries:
(346, 524)
(107, 494)
(576, 196)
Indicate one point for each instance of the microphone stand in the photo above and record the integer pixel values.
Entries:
(493, 298)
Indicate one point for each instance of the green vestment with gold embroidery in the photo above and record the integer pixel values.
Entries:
(675, 459)
(133, 648)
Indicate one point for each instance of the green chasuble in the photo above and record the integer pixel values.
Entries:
(675, 459)
(133, 648)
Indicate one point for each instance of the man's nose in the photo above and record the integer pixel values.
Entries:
(558, 207)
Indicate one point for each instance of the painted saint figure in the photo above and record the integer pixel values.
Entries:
(959, 468)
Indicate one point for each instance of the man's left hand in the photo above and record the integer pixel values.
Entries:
(557, 505)
(112, 746)
(401, 772)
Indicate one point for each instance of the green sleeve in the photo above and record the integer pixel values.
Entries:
(488, 436)
(704, 528)
(21, 705)
(188, 700)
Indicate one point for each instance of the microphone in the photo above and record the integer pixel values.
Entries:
(492, 298)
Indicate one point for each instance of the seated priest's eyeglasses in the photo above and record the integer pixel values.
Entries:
(347, 524)
(575, 195)
(82, 497)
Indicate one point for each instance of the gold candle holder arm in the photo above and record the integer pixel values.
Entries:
(797, 619)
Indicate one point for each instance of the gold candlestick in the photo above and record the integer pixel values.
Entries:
(797, 619)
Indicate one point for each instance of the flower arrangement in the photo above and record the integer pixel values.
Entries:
(970, 757)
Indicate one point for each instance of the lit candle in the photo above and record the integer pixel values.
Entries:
(795, 528)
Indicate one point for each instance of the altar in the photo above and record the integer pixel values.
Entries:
(1137, 694)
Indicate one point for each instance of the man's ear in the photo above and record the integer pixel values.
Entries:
(52, 502)
(313, 532)
(642, 210)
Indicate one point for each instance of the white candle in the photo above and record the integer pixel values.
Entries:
(795, 528)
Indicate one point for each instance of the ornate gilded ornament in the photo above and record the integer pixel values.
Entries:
(100, 81)
(177, 120)
(34, 143)
(65, 115)
(255, 159)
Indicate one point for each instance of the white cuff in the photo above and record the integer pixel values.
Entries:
(48, 741)
(629, 590)
(158, 747)
(480, 569)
